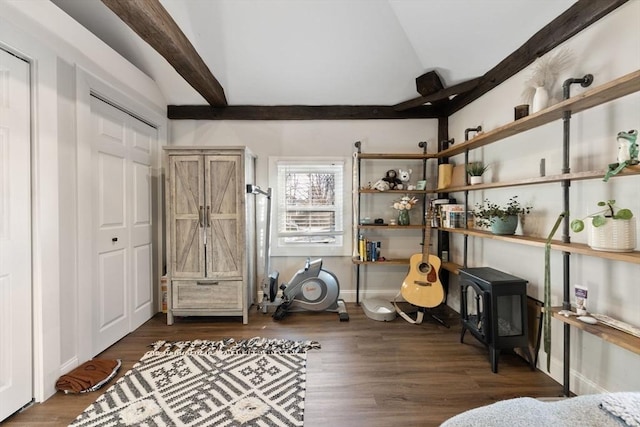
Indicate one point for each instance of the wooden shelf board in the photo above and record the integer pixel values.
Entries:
(371, 190)
(601, 94)
(390, 261)
(575, 176)
(451, 267)
(607, 333)
(583, 249)
(395, 227)
(575, 248)
(396, 156)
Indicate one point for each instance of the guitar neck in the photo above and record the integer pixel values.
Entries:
(426, 240)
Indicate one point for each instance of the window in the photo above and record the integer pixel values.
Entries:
(309, 214)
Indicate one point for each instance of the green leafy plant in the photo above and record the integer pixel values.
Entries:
(476, 169)
(599, 218)
(487, 212)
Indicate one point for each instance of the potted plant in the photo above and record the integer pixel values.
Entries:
(501, 219)
(475, 171)
(612, 228)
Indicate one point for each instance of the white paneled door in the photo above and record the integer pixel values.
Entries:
(16, 369)
(122, 263)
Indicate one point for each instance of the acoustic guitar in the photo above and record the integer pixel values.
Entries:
(422, 286)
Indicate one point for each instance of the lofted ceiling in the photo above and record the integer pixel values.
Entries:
(327, 52)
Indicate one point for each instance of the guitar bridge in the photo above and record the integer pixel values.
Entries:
(421, 283)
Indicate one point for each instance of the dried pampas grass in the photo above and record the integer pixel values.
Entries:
(545, 71)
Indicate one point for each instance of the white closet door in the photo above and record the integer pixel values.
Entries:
(144, 139)
(111, 240)
(16, 370)
(122, 263)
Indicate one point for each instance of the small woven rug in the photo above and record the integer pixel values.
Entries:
(255, 382)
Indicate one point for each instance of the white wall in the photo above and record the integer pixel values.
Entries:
(327, 138)
(608, 49)
(58, 47)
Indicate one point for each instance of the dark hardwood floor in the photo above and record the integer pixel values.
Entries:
(367, 373)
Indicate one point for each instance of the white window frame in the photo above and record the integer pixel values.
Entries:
(342, 245)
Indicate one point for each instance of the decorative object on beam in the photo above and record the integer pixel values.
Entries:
(151, 21)
(428, 83)
(443, 94)
(298, 112)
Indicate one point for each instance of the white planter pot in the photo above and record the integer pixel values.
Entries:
(616, 235)
(473, 180)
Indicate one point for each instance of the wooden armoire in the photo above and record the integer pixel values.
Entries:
(210, 240)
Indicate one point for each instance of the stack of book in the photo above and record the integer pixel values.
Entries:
(449, 215)
(436, 210)
(368, 250)
(453, 216)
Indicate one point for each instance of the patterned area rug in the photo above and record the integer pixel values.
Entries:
(256, 382)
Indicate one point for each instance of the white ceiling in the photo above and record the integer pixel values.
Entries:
(325, 52)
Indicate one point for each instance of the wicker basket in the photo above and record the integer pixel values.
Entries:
(617, 235)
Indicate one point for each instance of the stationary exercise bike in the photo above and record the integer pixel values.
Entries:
(310, 289)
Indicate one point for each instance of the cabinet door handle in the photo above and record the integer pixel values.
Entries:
(201, 216)
(208, 216)
(207, 283)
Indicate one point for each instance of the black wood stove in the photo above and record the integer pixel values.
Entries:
(493, 307)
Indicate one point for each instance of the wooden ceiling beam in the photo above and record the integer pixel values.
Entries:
(151, 21)
(440, 95)
(299, 112)
(579, 16)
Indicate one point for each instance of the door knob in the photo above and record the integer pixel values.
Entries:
(114, 239)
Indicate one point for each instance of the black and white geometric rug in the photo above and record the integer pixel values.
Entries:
(256, 382)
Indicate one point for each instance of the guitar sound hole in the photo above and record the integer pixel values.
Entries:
(424, 268)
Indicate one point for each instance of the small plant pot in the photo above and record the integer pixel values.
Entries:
(505, 226)
(616, 235)
(474, 180)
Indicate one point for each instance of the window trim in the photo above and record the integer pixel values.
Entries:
(343, 248)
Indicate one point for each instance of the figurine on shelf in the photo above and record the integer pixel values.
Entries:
(380, 185)
(405, 176)
(627, 153)
(391, 177)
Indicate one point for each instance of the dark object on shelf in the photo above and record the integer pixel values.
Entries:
(379, 221)
(520, 111)
(493, 307)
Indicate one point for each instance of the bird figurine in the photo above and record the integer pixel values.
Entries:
(627, 152)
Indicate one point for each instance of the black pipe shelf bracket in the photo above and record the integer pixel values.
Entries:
(584, 81)
(476, 129)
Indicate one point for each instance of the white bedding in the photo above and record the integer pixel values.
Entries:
(595, 410)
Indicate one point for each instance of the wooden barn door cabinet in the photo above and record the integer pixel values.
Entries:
(210, 246)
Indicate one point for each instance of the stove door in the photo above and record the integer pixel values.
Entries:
(474, 310)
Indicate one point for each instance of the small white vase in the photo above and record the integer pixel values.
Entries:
(473, 180)
(540, 99)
